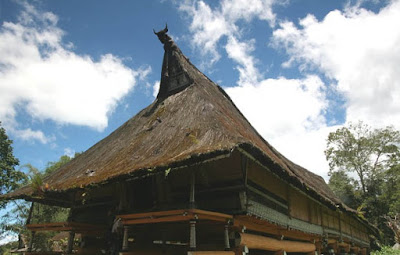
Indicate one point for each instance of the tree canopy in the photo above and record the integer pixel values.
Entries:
(14, 220)
(365, 172)
(10, 178)
(364, 151)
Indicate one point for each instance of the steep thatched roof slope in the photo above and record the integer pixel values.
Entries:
(195, 122)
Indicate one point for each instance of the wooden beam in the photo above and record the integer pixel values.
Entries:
(151, 214)
(173, 216)
(66, 226)
(211, 253)
(263, 226)
(270, 244)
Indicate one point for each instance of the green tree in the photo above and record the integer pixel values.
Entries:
(361, 150)
(344, 187)
(372, 157)
(10, 178)
(15, 219)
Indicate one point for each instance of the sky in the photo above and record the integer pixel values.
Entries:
(71, 72)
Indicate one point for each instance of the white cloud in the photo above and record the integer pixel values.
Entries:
(209, 26)
(289, 113)
(29, 135)
(240, 52)
(357, 48)
(42, 76)
(69, 152)
(156, 88)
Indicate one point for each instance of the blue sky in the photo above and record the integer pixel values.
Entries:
(71, 72)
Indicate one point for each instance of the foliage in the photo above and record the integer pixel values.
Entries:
(386, 250)
(344, 187)
(5, 248)
(15, 219)
(366, 152)
(365, 172)
(10, 178)
(394, 224)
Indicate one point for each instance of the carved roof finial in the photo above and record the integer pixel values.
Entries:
(162, 35)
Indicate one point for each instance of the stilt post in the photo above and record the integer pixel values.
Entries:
(31, 241)
(70, 244)
(192, 202)
(226, 237)
(125, 244)
(192, 237)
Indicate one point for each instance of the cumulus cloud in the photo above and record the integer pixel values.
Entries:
(29, 135)
(209, 26)
(240, 52)
(41, 75)
(289, 113)
(359, 50)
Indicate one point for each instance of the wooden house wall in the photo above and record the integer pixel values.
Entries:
(266, 180)
(302, 207)
(299, 205)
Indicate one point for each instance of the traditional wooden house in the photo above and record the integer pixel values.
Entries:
(190, 175)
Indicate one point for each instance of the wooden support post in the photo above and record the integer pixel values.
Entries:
(281, 252)
(31, 241)
(28, 221)
(70, 244)
(192, 201)
(363, 251)
(245, 250)
(192, 237)
(333, 247)
(355, 249)
(125, 244)
(226, 237)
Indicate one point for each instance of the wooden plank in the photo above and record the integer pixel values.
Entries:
(158, 220)
(65, 226)
(211, 253)
(269, 228)
(217, 214)
(173, 216)
(151, 214)
(210, 217)
(271, 244)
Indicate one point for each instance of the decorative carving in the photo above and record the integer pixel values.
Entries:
(173, 76)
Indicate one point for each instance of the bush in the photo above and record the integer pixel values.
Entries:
(386, 250)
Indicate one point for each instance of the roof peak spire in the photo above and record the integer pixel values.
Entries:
(174, 77)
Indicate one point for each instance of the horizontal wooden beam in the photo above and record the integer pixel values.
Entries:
(211, 253)
(263, 226)
(66, 226)
(270, 244)
(173, 216)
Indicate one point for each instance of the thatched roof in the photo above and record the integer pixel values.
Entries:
(191, 120)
